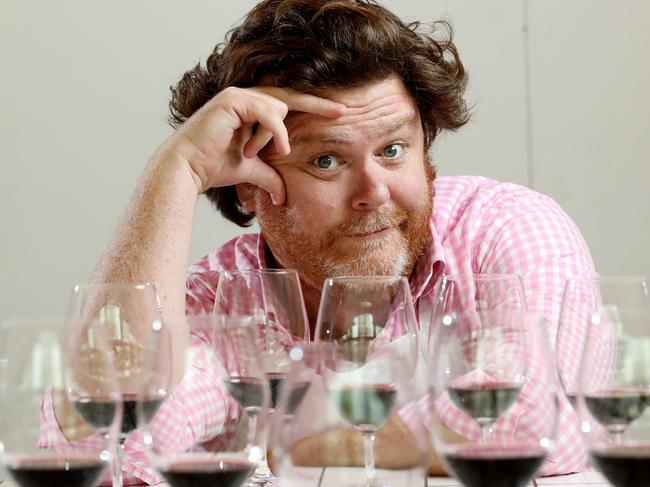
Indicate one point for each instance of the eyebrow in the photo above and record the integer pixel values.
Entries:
(346, 139)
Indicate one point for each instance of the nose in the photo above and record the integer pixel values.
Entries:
(369, 186)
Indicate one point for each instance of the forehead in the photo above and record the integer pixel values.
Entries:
(373, 109)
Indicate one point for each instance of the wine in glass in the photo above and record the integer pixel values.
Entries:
(229, 458)
(614, 386)
(128, 314)
(43, 440)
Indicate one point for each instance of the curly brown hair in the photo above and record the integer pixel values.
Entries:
(311, 45)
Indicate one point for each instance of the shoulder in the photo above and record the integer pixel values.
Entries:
(476, 201)
(239, 253)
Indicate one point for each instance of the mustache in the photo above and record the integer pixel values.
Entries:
(372, 222)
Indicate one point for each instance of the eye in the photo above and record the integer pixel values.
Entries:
(327, 161)
(393, 151)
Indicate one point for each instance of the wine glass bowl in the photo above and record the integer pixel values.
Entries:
(475, 317)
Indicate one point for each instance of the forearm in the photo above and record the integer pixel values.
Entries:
(395, 448)
(152, 241)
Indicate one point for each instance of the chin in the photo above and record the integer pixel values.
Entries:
(395, 263)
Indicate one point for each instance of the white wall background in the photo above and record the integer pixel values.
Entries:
(560, 89)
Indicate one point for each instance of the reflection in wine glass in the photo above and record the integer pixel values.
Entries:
(615, 377)
(34, 412)
(129, 315)
(229, 458)
(271, 300)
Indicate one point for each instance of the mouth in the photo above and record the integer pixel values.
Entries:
(380, 233)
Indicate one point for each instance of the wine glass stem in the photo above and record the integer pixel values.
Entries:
(486, 432)
(252, 428)
(369, 456)
(117, 463)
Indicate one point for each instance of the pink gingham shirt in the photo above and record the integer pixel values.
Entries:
(478, 225)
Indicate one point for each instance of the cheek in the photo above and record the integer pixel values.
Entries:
(313, 203)
(410, 190)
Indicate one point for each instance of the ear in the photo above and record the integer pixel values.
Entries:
(246, 195)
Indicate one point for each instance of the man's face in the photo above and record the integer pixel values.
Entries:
(358, 188)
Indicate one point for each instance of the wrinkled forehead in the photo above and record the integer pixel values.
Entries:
(372, 109)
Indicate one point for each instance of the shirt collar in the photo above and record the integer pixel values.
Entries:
(429, 267)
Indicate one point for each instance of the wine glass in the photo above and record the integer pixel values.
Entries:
(614, 386)
(129, 315)
(43, 440)
(272, 300)
(475, 316)
(371, 322)
(330, 404)
(227, 345)
(487, 351)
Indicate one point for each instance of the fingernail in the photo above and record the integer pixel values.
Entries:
(273, 199)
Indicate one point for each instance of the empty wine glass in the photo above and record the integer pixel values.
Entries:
(43, 440)
(486, 352)
(231, 456)
(272, 300)
(129, 315)
(614, 387)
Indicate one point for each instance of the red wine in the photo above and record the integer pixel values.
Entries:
(149, 406)
(617, 407)
(573, 398)
(228, 473)
(485, 401)
(494, 467)
(99, 412)
(276, 380)
(365, 406)
(247, 391)
(41, 472)
(296, 396)
(624, 466)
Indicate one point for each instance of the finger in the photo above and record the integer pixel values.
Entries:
(268, 179)
(257, 142)
(274, 123)
(304, 102)
(269, 114)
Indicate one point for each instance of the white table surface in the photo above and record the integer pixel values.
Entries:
(337, 477)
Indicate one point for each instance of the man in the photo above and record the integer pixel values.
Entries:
(316, 117)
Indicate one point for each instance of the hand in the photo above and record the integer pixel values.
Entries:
(220, 143)
(395, 449)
